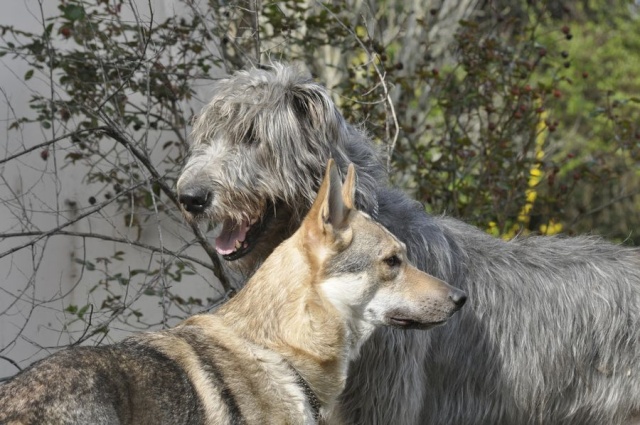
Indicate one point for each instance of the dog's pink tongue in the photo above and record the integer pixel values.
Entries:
(226, 242)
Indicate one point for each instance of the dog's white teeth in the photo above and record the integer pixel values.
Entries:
(245, 245)
(238, 245)
(253, 221)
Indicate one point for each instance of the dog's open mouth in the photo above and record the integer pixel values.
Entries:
(238, 239)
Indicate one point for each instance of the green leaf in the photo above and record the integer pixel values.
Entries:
(73, 12)
(148, 200)
(82, 311)
(28, 75)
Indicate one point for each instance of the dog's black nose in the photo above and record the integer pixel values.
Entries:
(458, 297)
(195, 199)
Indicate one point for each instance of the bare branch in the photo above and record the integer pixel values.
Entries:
(381, 76)
(68, 223)
(176, 254)
(215, 261)
(50, 142)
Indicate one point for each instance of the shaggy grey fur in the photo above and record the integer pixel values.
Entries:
(550, 333)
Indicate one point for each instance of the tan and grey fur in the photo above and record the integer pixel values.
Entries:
(277, 353)
(550, 334)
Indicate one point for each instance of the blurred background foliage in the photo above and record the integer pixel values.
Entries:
(526, 123)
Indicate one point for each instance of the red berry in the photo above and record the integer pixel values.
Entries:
(65, 114)
(565, 29)
(44, 154)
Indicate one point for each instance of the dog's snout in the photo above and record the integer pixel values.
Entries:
(195, 199)
(458, 297)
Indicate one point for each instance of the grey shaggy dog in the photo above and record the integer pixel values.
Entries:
(550, 334)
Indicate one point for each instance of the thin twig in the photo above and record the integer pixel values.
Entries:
(68, 223)
(49, 142)
(116, 135)
(604, 206)
(13, 363)
(392, 144)
(256, 30)
(111, 239)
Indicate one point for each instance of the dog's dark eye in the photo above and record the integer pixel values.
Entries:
(392, 261)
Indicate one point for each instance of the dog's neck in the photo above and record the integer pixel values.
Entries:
(280, 309)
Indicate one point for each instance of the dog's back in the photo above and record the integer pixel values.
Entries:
(114, 384)
(186, 375)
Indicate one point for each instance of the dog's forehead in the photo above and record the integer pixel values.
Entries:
(370, 241)
(203, 154)
(385, 232)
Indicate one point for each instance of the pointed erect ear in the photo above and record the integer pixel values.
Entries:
(349, 188)
(339, 200)
(328, 219)
(315, 216)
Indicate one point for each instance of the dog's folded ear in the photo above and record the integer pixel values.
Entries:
(327, 222)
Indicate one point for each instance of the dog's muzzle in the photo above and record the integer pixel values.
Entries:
(195, 200)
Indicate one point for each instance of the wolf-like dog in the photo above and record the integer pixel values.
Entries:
(277, 353)
(551, 333)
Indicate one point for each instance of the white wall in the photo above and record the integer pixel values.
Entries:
(43, 193)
